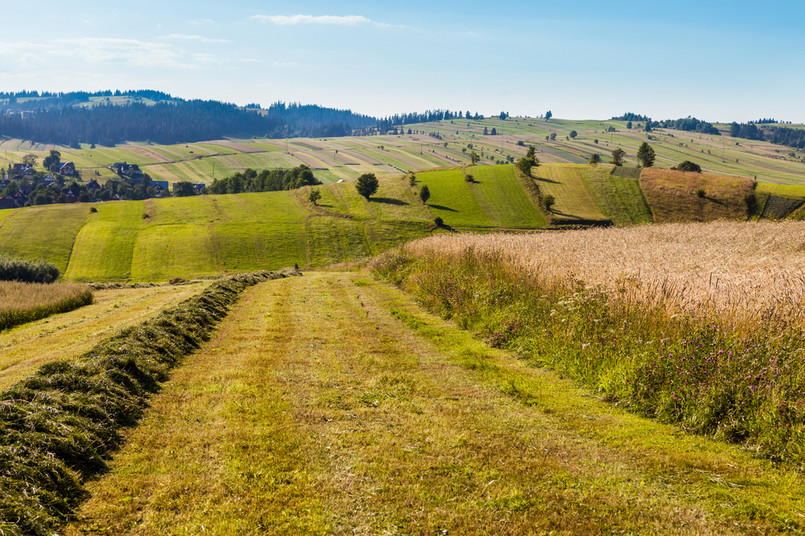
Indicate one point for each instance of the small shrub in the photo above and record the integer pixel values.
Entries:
(701, 193)
(27, 271)
(438, 221)
(548, 201)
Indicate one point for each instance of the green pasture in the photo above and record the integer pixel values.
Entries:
(573, 200)
(452, 199)
(619, 198)
(43, 232)
(104, 247)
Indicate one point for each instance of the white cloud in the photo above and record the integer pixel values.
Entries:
(192, 37)
(284, 20)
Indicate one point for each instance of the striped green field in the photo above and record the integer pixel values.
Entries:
(619, 197)
(574, 201)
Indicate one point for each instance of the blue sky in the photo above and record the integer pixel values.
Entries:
(719, 61)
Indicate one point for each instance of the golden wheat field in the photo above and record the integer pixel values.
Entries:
(743, 272)
(16, 296)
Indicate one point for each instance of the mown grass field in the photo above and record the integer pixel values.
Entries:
(346, 158)
(574, 201)
(64, 336)
(333, 404)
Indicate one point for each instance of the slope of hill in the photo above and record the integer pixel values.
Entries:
(678, 196)
(159, 239)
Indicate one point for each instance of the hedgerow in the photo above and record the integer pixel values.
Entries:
(59, 426)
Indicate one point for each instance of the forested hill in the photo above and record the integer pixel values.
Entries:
(108, 118)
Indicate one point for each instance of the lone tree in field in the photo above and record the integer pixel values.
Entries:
(645, 155)
(367, 185)
(314, 196)
(573, 134)
(548, 115)
(424, 193)
(474, 158)
(617, 156)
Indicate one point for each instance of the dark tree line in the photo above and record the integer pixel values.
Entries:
(629, 116)
(174, 121)
(268, 180)
(388, 123)
(688, 124)
(792, 137)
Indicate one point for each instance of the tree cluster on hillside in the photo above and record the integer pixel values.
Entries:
(792, 137)
(267, 180)
(388, 123)
(629, 116)
(747, 131)
(689, 124)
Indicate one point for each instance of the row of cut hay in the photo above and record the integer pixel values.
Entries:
(744, 273)
(26, 302)
(59, 426)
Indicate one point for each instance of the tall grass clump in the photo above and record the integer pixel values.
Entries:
(59, 426)
(12, 269)
(711, 340)
(26, 302)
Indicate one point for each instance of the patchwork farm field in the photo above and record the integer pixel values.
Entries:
(433, 145)
(161, 239)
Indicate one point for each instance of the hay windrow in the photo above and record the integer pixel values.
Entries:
(59, 426)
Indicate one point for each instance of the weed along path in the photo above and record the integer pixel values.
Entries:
(332, 404)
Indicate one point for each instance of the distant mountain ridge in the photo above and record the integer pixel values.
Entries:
(112, 117)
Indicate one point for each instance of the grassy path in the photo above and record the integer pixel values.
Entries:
(25, 348)
(332, 404)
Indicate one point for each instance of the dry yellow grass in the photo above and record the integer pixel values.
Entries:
(17, 296)
(674, 195)
(744, 272)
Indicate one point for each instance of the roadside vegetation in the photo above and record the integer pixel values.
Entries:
(696, 325)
